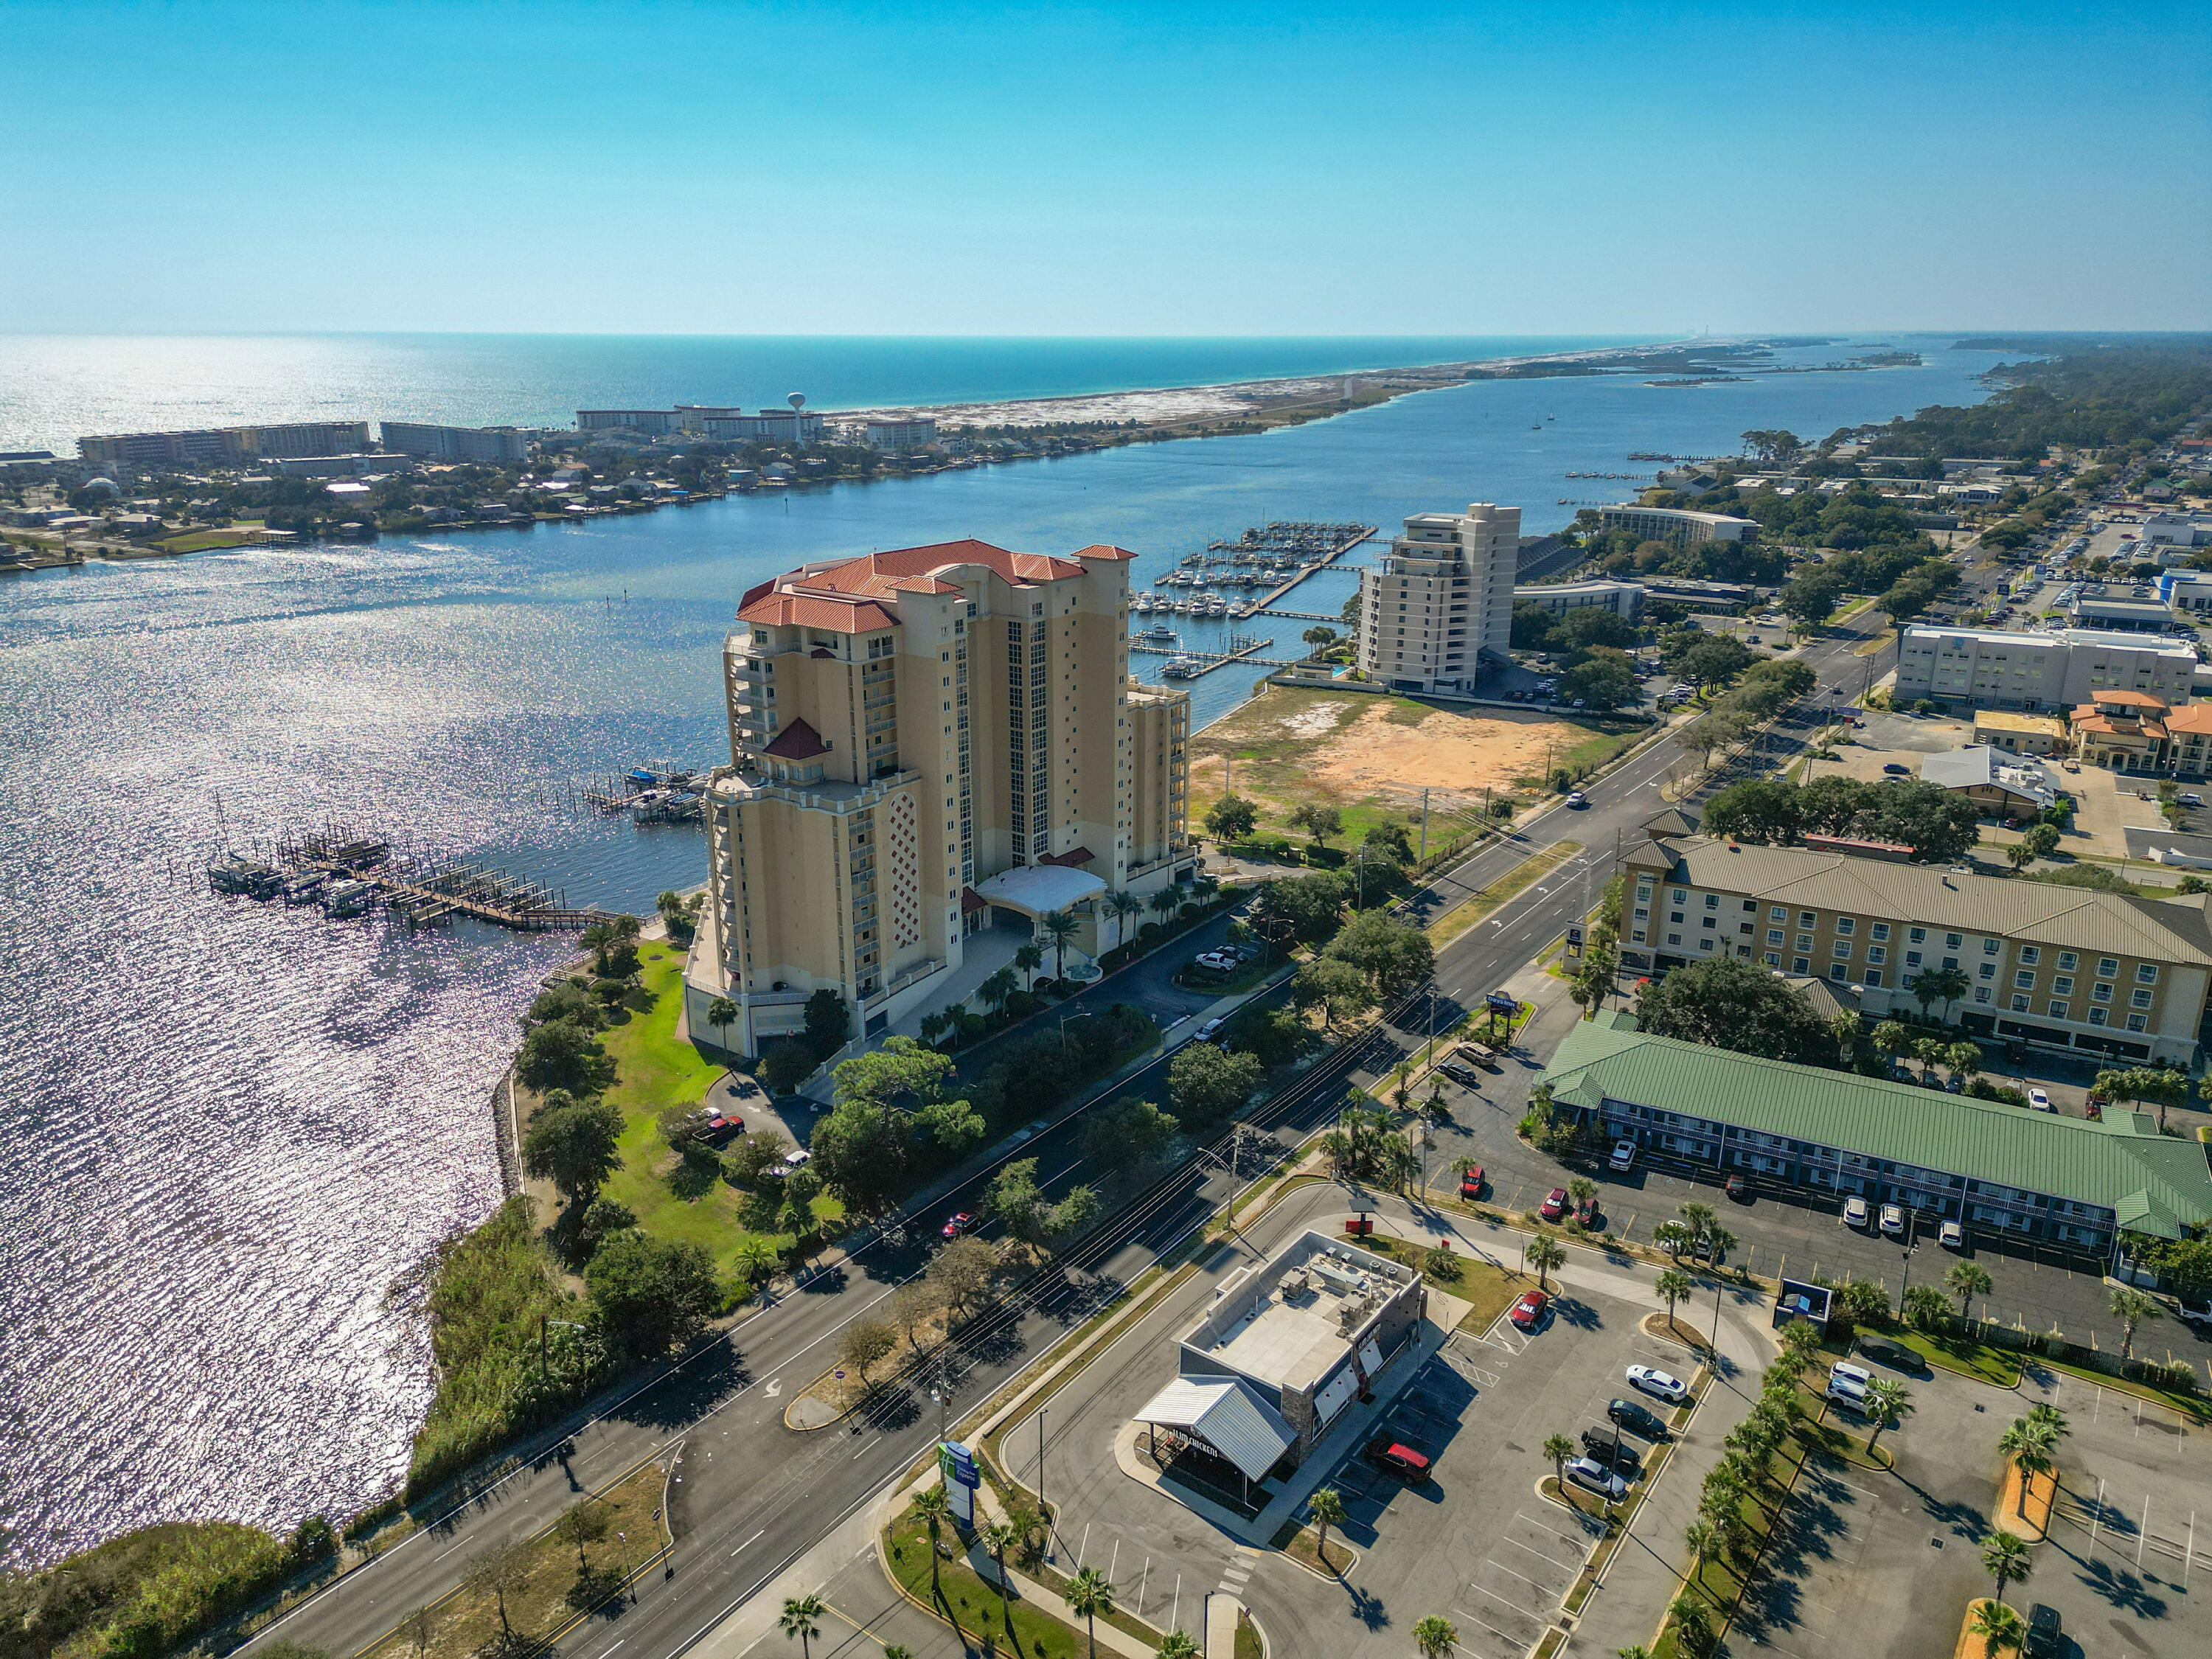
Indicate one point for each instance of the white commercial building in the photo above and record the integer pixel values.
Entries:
(2178, 529)
(1622, 598)
(898, 434)
(1441, 600)
(1984, 668)
(1676, 524)
(495, 446)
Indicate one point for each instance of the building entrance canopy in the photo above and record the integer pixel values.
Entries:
(1038, 889)
(1227, 1417)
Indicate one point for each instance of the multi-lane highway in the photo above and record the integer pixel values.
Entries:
(752, 1495)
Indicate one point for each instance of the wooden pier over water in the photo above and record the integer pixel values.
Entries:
(1202, 663)
(427, 891)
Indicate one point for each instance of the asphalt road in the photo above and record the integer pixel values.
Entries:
(753, 1494)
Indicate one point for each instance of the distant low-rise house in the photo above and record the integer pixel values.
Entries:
(2121, 732)
(2001, 783)
(2020, 734)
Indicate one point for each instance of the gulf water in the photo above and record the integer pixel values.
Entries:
(230, 1134)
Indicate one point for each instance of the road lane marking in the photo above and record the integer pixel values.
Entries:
(741, 1550)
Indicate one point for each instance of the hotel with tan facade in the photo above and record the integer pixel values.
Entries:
(2053, 967)
(927, 744)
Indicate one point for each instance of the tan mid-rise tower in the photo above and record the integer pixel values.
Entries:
(925, 744)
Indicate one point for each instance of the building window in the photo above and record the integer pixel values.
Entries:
(2019, 1004)
(2062, 986)
(1807, 918)
(2097, 1016)
(1802, 965)
(1841, 950)
(1873, 978)
(1681, 896)
(1846, 925)
(1774, 936)
(2138, 1022)
(2029, 954)
(1712, 901)
(2101, 993)
(1953, 941)
(2067, 961)
(1877, 953)
(1705, 943)
(1643, 914)
(1988, 971)
(1778, 914)
(1773, 959)
(1913, 958)
(1882, 930)
(1918, 936)
(1836, 971)
(2139, 1000)
(1804, 941)
(2146, 972)
(2108, 966)
(1981, 994)
(2023, 980)
(1990, 948)
(1674, 915)
(1675, 939)
(2056, 1010)
(1710, 920)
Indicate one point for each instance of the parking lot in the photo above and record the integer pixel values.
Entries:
(1783, 1229)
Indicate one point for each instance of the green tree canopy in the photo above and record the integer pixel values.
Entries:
(1232, 818)
(649, 1293)
(561, 1054)
(572, 1146)
(1725, 1002)
(1393, 954)
(1204, 1084)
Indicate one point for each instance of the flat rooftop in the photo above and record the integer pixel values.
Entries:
(1299, 1313)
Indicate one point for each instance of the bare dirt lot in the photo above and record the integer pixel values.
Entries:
(1371, 755)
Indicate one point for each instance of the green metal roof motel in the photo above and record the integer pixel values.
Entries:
(2153, 1183)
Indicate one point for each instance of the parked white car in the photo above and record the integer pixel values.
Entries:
(1589, 1472)
(1653, 1381)
(1893, 1219)
(2039, 1100)
(1950, 1236)
(1855, 1212)
(1624, 1155)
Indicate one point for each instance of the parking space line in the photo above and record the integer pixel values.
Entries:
(1534, 1584)
(2098, 1519)
(1502, 1603)
(1563, 1566)
(2142, 1532)
(1518, 1645)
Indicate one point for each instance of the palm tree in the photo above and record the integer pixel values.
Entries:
(1063, 928)
(1122, 906)
(1543, 1256)
(1089, 1595)
(1582, 1189)
(799, 1619)
(1891, 1037)
(1800, 1340)
(1326, 1508)
(934, 1506)
(1177, 1645)
(2006, 1559)
(1676, 1287)
(1722, 1240)
(1463, 1166)
(932, 1027)
(1697, 1218)
(1704, 1541)
(999, 1537)
(1028, 959)
(1998, 1624)
(2052, 1417)
(1435, 1635)
(1966, 1281)
(1166, 902)
(2132, 1308)
(1891, 1403)
(999, 988)
(1965, 1059)
(721, 1014)
(2020, 855)
(2027, 1446)
(1671, 1236)
(1634, 1650)
(1559, 1449)
(1318, 639)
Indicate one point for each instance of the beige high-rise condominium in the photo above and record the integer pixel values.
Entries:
(928, 744)
(1441, 600)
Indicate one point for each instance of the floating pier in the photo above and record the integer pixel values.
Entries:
(1195, 664)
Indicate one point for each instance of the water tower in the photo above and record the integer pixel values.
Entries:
(797, 402)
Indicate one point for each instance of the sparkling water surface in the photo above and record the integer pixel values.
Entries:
(233, 1132)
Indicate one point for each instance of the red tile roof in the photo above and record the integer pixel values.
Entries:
(971, 901)
(805, 611)
(1080, 856)
(1104, 550)
(797, 741)
(2191, 717)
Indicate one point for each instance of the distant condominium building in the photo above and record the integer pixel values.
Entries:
(652, 422)
(340, 466)
(2097, 974)
(223, 445)
(495, 445)
(1624, 599)
(898, 434)
(929, 745)
(1441, 600)
(1676, 524)
(1988, 669)
(729, 423)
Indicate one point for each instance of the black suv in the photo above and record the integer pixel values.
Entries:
(2043, 1632)
(1607, 1448)
(1633, 1417)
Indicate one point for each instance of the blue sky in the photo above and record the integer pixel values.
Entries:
(1041, 169)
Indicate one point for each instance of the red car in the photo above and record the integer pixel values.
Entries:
(960, 1223)
(1470, 1184)
(1555, 1206)
(1529, 1310)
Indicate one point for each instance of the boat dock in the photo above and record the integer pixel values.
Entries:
(1317, 546)
(348, 871)
(1195, 664)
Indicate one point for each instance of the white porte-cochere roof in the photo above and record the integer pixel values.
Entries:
(1225, 1415)
(1039, 889)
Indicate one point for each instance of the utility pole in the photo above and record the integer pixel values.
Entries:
(1424, 822)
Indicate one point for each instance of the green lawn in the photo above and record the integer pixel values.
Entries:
(963, 1600)
(1978, 1360)
(654, 1070)
(199, 541)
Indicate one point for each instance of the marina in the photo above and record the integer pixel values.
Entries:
(346, 873)
(1195, 664)
(1274, 556)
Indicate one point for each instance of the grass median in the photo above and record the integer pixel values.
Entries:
(1515, 882)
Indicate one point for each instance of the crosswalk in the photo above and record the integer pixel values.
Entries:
(1238, 1572)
